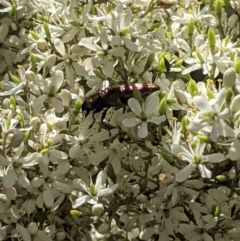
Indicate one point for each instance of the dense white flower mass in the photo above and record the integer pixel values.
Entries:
(119, 120)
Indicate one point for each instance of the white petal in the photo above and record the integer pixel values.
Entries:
(48, 196)
(37, 181)
(151, 105)
(183, 174)
(107, 191)
(202, 104)
(59, 46)
(157, 119)
(205, 173)
(23, 181)
(130, 122)
(31, 160)
(62, 169)
(65, 188)
(56, 80)
(57, 104)
(101, 180)
(143, 130)
(80, 201)
(70, 76)
(182, 153)
(10, 178)
(214, 158)
(130, 45)
(89, 43)
(125, 19)
(23, 232)
(135, 106)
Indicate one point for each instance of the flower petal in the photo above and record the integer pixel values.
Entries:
(214, 158)
(23, 232)
(183, 174)
(157, 119)
(108, 191)
(151, 105)
(143, 130)
(182, 153)
(205, 173)
(135, 106)
(48, 196)
(80, 201)
(131, 122)
(59, 46)
(202, 104)
(10, 178)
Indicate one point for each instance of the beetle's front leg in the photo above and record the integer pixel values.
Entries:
(94, 120)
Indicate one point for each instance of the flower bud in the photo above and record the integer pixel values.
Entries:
(235, 105)
(221, 178)
(154, 26)
(77, 105)
(199, 56)
(34, 35)
(50, 61)
(204, 139)
(29, 75)
(93, 190)
(190, 27)
(32, 228)
(40, 17)
(33, 62)
(228, 96)
(232, 21)
(42, 45)
(14, 78)
(162, 105)
(150, 60)
(35, 123)
(211, 39)
(192, 87)
(124, 31)
(229, 78)
(166, 156)
(75, 213)
(237, 66)
(101, 53)
(46, 30)
(218, 7)
(181, 97)
(12, 103)
(217, 211)
(184, 125)
(97, 209)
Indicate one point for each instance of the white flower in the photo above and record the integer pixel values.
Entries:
(148, 112)
(51, 181)
(69, 62)
(50, 88)
(212, 115)
(94, 191)
(195, 158)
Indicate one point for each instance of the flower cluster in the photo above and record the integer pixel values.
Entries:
(82, 158)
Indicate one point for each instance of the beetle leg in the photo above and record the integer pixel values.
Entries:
(94, 120)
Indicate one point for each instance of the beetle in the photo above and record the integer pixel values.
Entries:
(114, 98)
